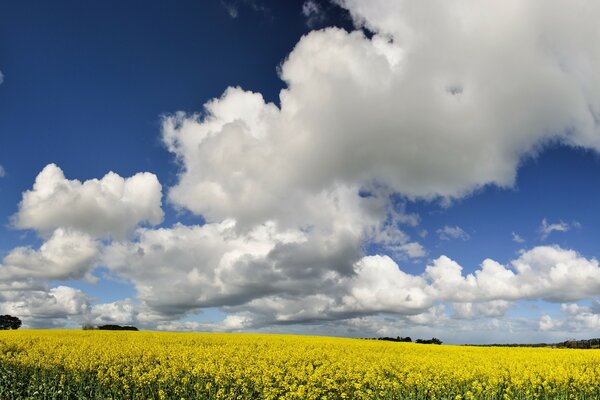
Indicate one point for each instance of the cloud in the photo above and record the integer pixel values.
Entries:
(452, 232)
(493, 308)
(185, 268)
(65, 255)
(314, 13)
(517, 238)
(233, 7)
(577, 319)
(2, 172)
(421, 108)
(117, 312)
(269, 276)
(1, 77)
(437, 101)
(310, 7)
(411, 109)
(111, 206)
(55, 307)
(547, 228)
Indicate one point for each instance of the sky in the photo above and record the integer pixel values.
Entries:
(324, 167)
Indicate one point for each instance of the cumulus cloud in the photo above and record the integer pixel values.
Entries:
(184, 268)
(493, 308)
(266, 276)
(111, 206)
(423, 108)
(415, 107)
(117, 312)
(65, 255)
(55, 307)
(452, 232)
(575, 318)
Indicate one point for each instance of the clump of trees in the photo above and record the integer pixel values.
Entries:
(9, 322)
(429, 341)
(117, 328)
(396, 339)
(109, 327)
(408, 339)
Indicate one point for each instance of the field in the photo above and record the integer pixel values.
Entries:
(149, 365)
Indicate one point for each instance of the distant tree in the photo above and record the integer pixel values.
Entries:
(429, 341)
(88, 327)
(9, 322)
(117, 328)
(396, 339)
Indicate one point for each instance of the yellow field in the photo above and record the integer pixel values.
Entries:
(147, 365)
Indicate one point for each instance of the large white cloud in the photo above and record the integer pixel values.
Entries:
(185, 268)
(116, 312)
(57, 307)
(65, 255)
(268, 276)
(544, 272)
(111, 206)
(443, 99)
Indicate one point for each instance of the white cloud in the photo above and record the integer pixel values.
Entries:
(2, 172)
(423, 108)
(65, 255)
(111, 206)
(493, 308)
(55, 307)
(547, 228)
(413, 250)
(544, 272)
(183, 268)
(517, 238)
(117, 312)
(268, 276)
(452, 232)
(577, 320)
(358, 110)
(1, 77)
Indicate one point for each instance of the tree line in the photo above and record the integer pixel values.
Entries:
(408, 339)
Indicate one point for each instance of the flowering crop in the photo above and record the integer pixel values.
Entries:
(150, 365)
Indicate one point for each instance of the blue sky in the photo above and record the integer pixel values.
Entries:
(272, 173)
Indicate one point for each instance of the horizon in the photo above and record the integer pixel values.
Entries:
(315, 167)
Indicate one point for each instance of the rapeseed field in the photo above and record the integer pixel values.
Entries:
(151, 365)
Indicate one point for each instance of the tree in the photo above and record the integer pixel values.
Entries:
(9, 322)
(117, 328)
(429, 341)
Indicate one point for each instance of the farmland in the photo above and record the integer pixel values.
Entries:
(150, 365)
